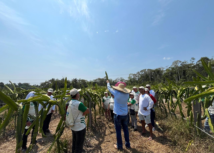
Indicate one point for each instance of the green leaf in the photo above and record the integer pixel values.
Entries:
(203, 94)
(7, 100)
(207, 69)
(9, 89)
(14, 88)
(199, 82)
(7, 119)
(39, 98)
(106, 75)
(3, 108)
(200, 75)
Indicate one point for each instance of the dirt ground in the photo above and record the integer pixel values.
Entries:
(100, 139)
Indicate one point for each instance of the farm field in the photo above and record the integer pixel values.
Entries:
(101, 139)
(180, 113)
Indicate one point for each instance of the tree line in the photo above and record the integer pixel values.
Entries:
(179, 71)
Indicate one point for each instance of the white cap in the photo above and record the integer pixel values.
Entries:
(134, 87)
(132, 93)
(148, 85)
(74, 91)
(141, 87)
(146, 89)
(50, 90)
(105, 92)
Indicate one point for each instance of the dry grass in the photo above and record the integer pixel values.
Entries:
(181, 134)
(100, 138)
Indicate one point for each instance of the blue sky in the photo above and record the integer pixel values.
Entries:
(44, 39)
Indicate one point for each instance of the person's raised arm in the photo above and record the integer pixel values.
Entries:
(112, 91)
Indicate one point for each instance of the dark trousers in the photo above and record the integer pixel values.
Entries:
(47, 122)
(118, 121)
(128, 117)
(112, 115)
(152, 114)
(78, 141)
(24, 138)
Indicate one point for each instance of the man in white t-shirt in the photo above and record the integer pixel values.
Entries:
(150, 90)
(145, 106)
(79, 111)
(30, 119)
(49, 114)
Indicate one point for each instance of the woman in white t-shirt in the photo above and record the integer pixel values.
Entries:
(106, 99)
(111, 106)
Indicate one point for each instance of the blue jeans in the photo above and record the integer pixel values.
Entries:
(118, 121)
(206, 124)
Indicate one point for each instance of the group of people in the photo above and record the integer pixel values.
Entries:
(124, 104)
(78, 111)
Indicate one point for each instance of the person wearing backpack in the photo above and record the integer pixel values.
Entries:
(78, 127)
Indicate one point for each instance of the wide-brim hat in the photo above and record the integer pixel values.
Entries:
(121, 87)
(120, 83)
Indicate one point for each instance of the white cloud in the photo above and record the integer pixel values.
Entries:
(158, 18)
(12, 19)
(77, 9)
(74, 8)
(161, 13)
(167, 58)
(164, 2)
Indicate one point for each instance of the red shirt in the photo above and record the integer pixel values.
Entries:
(153, 98)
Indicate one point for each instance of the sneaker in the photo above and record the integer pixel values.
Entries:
(153, 129)
(120, 149)
(146, 126)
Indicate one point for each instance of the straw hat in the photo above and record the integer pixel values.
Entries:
(121, 87)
